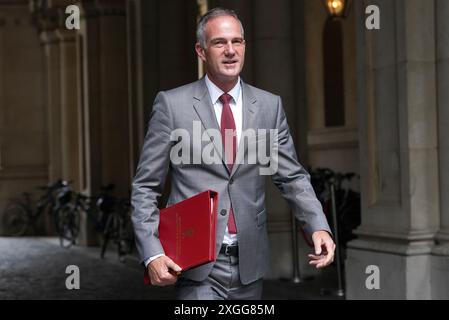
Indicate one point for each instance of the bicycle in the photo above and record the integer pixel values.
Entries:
(20, 215)
(119, 229)
(66, 221)
(70, 214)
(347, 200)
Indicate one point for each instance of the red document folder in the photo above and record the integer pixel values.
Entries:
(187, 230)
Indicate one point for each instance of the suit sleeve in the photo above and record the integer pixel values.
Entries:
(148, 183)
(293, 180)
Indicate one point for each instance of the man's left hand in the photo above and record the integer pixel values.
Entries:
(324, 249)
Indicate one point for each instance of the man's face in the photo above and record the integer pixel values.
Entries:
(224, 54)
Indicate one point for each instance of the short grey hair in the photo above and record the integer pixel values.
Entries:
(213, 13)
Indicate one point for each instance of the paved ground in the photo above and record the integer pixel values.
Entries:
(34, 268)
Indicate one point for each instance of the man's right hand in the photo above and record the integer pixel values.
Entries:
(161, 272)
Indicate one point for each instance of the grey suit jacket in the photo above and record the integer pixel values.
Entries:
(244, 186)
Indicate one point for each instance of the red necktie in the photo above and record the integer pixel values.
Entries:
(227, 122)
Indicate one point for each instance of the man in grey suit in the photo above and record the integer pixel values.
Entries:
(222, 103)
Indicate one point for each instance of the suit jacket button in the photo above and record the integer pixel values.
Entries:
(231, 181)
(223, 212)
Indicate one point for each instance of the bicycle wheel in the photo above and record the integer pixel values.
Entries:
(15, 220)
(108, 231)
(68, 226)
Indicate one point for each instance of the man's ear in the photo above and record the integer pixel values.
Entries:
(200, 51)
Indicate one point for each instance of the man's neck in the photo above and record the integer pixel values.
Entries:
(225, 86)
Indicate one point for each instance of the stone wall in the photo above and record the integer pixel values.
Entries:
(24, 161)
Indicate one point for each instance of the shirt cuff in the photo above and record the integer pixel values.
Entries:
(147, 262)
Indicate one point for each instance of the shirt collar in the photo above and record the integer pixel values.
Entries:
(215, 92)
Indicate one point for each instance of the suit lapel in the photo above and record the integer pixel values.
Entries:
(249, 122)
(203, 106)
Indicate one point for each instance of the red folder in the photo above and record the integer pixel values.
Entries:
(187, 231)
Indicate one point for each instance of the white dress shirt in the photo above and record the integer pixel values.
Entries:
(236, 106)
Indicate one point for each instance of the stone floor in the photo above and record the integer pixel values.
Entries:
(34, 268)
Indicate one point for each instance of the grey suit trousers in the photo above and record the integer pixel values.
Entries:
(223, 283)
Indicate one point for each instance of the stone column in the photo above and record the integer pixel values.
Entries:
(59, 49)
(89, 96)
(443, 113)
(398, 152)
(105, 95)
(135, 85)
(149, 30)
(24, 160)
(299, 65)
(161, 56)
(113, 96)
(51, 50)
(440, 263)
(70, 126)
